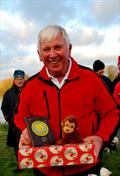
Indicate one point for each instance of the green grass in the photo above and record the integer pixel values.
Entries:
(112, 161)
(7, 157)
(8, 160)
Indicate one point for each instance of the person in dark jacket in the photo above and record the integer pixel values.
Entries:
(9, 105)
(98, 67)
(117, 79)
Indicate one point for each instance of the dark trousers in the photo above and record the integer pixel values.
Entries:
(38, 173)
(16, 153)
(93, 170)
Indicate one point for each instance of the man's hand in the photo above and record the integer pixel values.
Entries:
(97, 141)
(6, 118)
(24, 138)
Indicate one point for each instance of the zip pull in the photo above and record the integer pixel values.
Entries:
(47, 104)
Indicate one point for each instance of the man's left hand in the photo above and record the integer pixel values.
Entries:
(97, 141)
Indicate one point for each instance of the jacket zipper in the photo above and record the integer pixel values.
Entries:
(47, 104)
(59, 109)
(93, 131)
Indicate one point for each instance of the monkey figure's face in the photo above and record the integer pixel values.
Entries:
(69, 127)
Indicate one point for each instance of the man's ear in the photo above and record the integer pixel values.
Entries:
(39, 55)
(70, 48)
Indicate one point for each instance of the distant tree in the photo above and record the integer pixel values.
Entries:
(5, 85)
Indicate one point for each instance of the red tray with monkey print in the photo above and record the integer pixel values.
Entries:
(56, 155)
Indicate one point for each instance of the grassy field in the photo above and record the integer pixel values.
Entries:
(8, 161)
(7, 157)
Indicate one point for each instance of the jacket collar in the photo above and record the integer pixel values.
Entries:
(74, 72)
(16, 88)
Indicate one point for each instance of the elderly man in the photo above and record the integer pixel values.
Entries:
(63, 88)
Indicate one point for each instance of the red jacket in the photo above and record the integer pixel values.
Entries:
(83, 95)
(116, 93)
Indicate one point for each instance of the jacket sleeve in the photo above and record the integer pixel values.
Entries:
(116, 93)
(5, 107)
(22, 110)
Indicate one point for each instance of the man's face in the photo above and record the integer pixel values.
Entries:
(54, 54)
(19, 82)
(100, 72)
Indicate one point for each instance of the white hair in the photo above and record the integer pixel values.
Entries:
(50, 32)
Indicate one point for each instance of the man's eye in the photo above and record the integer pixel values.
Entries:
(46, 49)
(72, 126)
(58, 47)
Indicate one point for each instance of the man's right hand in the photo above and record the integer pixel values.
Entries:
(24, 138)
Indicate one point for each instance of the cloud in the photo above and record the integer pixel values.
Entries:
(91, 25)
(106, 12)
(47, 11)
(30, 64)
(15, 28)
(17, 37)
(107, 51)
(85, 36)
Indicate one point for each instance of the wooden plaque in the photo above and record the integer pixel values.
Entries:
(39, 131)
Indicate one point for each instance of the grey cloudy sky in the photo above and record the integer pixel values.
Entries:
(93, 27)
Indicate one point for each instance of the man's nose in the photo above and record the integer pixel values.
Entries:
(52, 53)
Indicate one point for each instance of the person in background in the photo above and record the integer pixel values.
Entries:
(63, 88)
(116, 93)
(98, 67)
(117, 79)
(9, 105)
